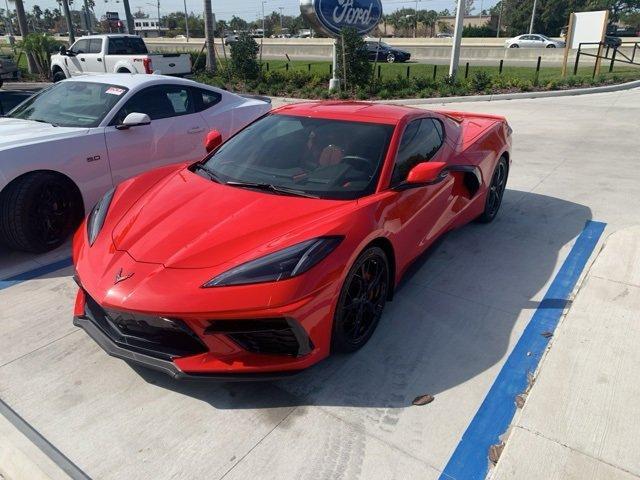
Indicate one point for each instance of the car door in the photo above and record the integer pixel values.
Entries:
(174, 135)
(423, 210)
(537, 41)
(72, 61)
(91, 61)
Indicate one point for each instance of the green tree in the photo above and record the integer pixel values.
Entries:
(40, 46)
(244, 58)
(353, 59)
(237, 23)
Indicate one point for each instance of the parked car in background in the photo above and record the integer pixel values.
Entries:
(617, 31)
(285, 243)
(115, 54)
(613, 42)
(8, 69)
(444, 35)
(533, 41)
(229, 39)
(63, 148)
(383, 52)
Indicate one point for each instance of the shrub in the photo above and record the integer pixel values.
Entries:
(40, 46)
(356, 59)
(244, 57)
(480, 81)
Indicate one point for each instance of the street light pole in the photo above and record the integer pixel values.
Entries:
(263, 19)
(281, 9)
(500, 19)
(186, 20)
(533, 16)
(158, 17)
(457, 39)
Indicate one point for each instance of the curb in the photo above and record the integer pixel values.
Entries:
(492, 98)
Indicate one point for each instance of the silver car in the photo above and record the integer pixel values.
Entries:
(533, 41)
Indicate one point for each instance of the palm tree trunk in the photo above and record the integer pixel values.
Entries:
(67, 15)
(129, 17)
(24, 31)
(209, 37)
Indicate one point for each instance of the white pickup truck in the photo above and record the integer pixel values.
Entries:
(115, 54)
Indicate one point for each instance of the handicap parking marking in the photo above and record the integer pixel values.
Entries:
(470, 458)
(35, 273)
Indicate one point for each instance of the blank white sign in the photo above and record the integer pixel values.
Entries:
(588, 27)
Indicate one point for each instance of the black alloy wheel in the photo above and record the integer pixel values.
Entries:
(496, 191)
(39, 212)
(361, 302)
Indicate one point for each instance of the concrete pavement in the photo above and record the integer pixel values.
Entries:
(450, 329)
(582, 417)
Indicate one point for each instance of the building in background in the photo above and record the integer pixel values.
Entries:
(148, 27)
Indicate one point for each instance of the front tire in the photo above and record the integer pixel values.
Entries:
(495, 192)
(551, 46)
(361, 301)
(391, 58)
(38, 212)
(58, 75)
(514, 45)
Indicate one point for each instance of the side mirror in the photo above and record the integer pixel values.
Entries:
(213, 140)
(134, 119)
(426, 173)
(62, 50)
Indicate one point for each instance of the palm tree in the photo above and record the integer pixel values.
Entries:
(24, 31)
(209, 34)
(67, 16)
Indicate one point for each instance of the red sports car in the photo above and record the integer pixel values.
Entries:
(285, 242)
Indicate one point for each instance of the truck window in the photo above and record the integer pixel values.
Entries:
(127, 46)
(81, 46)
(95, 45)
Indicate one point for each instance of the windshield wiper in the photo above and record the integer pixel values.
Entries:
(43, 121)
(208, 172)
(272, 188)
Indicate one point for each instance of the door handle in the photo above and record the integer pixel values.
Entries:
(99, 59)
(82, 59)
(195, 130)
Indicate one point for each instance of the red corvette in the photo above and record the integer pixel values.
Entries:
(285, 242)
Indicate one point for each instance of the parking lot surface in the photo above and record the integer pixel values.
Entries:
(448, 332)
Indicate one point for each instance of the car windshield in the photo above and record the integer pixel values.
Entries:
(316, 157)
(71, 104)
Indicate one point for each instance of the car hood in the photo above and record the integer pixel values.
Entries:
(186, 221)
(15, 132)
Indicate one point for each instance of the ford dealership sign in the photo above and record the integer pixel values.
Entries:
(331, 16)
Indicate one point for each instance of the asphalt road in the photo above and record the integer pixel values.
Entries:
(449, 331)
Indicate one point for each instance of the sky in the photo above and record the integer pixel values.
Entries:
(247, 9)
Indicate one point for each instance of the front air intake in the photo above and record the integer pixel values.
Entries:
(275, 336)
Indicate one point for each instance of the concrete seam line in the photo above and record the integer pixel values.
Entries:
(42, 443)
(575, 450)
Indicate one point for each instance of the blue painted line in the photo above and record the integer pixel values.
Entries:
(470, 458)
(35, 273)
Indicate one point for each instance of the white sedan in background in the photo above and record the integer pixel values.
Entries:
(63, 148)
(533, 41)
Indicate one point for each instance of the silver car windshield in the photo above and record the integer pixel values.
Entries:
(71, 104)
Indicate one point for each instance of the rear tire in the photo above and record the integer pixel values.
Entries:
(495, 192)
(38, 212)
(361, 301)
(123, 70)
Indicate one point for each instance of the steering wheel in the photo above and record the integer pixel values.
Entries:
(357, 162)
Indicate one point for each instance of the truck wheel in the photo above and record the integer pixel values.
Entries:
(39, 211)
(123, 70)
(58, 75)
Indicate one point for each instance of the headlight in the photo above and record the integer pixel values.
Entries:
(97, 216)
(281, 265)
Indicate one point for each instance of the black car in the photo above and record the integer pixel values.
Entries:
(386, 53)
(613, 42)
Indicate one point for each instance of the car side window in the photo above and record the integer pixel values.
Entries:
(158, 102)
(81, 46)
(420, 142)
(204, 99)
(95, 45)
